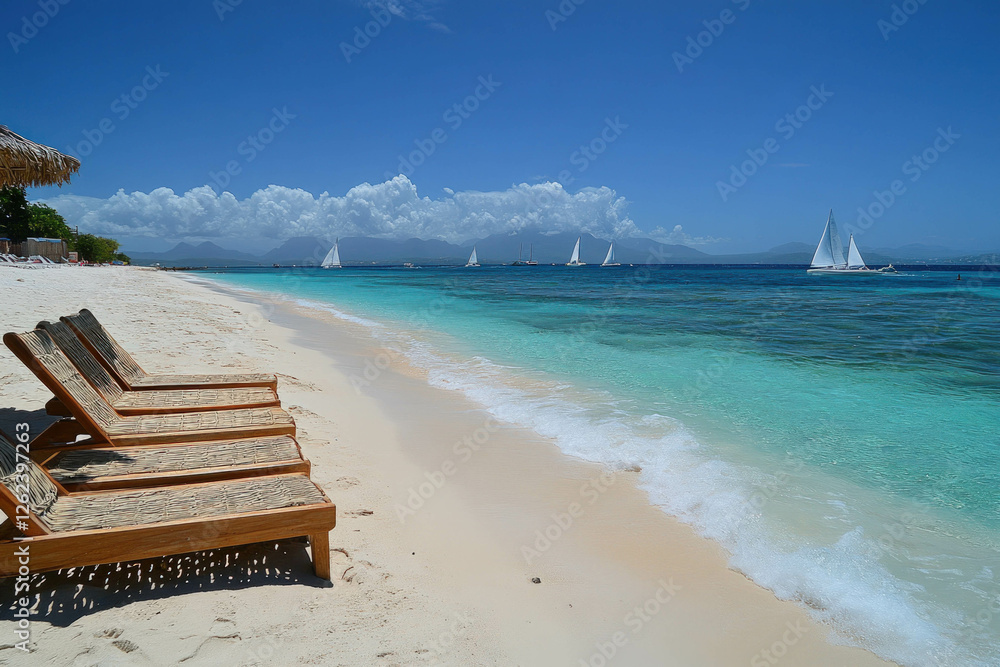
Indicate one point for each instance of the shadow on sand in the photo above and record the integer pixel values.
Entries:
(67, 595)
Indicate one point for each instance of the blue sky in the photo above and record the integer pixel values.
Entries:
(669, 136)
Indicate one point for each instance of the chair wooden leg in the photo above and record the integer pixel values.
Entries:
(320, 544)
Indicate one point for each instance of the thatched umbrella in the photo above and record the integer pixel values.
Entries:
(25, 164)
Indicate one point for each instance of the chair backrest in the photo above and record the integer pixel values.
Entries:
(24, 483)
(89, 367)
(39, 353)
(115, 358)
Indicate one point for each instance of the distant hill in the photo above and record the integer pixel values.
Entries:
(503, 249)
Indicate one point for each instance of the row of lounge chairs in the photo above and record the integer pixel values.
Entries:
(143, 465)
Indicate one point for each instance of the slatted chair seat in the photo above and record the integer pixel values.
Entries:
(96, 416)
(127, 371)
(95, 468)
(127, 402)
(90, 528)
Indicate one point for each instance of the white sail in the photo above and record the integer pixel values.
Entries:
(473, 259)
(854, 259)
(332, 259)
(575, 259)
(830, 250)
(610, 259)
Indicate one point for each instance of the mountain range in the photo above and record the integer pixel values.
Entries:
(503, 249)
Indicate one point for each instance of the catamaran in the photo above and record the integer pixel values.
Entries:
(610, 259)
(575, 259)
(332, 259)
(829, 256)
(473, 259)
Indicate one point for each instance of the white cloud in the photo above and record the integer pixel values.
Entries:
(387, 210)
(677, 236)
(410, 10)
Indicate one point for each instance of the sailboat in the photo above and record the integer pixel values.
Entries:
(531, 262)
(332, 259)
(520, 248)
(829, 256)
(473, 259)
(575, 259)
(610, 259)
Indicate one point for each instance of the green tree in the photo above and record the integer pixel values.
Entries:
(15, 215)
(96, 249)
(47, 223)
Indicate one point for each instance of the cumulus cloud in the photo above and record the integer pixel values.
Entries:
(677, 236)
(392, 209)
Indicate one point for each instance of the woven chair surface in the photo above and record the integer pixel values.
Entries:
(172, 503)
(80, 466)
(229, 420)
(87, 325)
(85, 362)
(41, 491)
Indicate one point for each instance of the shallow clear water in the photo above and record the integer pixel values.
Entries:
(840, 436)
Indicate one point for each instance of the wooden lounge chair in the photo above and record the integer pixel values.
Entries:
(90, 467)
(78, 529)
(148, 402)
(131, 376)
(93, 415)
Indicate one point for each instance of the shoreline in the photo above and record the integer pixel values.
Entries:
(452, 580)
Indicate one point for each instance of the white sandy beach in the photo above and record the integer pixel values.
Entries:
(445, 582)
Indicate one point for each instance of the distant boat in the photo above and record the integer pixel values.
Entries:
(610, 259)
(332, 259)
(829, 256)
(473, 259)
(520, 248)
(575, 259)
(531, 262)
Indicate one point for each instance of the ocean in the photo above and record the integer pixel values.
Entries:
(839, 436)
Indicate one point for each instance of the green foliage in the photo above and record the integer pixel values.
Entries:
(47, 223)
(20, 220)
(15, 215)
(96, 249)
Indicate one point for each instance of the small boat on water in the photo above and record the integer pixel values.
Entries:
(531, 261)
(519, 262)
(575, 259)
(332, 259)
(829, 256)
(473, 258)
(610, 259)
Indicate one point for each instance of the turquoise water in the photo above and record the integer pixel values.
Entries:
(839, 436)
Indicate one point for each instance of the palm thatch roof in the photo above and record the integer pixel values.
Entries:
(25, 164)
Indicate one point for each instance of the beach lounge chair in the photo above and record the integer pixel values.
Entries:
(93, 415)
(78, 529)
(131, 376)
(93, 467)
(148, 402)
